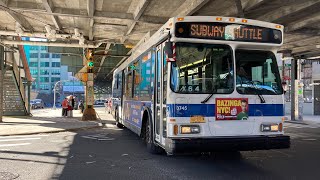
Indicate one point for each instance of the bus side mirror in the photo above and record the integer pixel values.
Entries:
(168, 49)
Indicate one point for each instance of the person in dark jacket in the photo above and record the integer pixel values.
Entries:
(71, 106)
(81, 106)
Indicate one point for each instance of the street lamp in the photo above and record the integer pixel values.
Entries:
(54, 95)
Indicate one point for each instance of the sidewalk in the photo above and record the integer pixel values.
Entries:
(307, 119)
(48, 121)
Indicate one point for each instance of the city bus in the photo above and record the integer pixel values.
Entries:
(204, 84)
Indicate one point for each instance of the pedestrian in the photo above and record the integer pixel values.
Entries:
(81, 106)
(71, 106)
(65, 107)
(109, 105)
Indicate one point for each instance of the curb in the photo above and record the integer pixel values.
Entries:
(57, 131)
(295, 122)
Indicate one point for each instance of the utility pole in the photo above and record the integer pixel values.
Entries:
(1, 80)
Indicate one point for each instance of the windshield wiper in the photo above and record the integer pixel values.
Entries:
(259, 95)
(207, 99)
(210, 95)
(261, 98)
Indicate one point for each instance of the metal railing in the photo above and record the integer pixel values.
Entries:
(19, 81)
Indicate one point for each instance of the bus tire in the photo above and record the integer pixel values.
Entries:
(148, 138)
(118, 124)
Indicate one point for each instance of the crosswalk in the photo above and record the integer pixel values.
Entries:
(8, 142)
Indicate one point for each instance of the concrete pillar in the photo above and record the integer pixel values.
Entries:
(1, 80)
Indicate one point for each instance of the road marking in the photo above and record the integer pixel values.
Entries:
(99, 137)
(9, 145)
(91, 162)
(3, 137)
(283, 153)
(23, 139)
(309, 139)
(87, 137)
(110, 139)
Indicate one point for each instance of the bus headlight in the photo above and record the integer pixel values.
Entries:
(192, 129)
(271, 127)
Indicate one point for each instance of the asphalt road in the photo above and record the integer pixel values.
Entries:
(112, 153)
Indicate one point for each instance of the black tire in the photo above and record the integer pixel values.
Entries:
(148, 138)
(118, 124)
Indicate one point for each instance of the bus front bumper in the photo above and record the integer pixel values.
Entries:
(248, 143)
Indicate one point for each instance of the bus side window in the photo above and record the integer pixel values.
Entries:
(145, 79)
(129, 86)
(152, 74)
(165, 71)
(136, 80)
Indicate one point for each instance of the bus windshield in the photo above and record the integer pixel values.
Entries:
(257, 73)
(202, 68)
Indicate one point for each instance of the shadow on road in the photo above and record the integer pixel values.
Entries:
(124, 156)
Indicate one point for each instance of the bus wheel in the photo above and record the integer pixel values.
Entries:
(148, 137)
(118, 124)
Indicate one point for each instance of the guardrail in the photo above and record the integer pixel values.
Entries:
(17, 76)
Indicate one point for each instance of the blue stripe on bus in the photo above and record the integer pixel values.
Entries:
(187, 110)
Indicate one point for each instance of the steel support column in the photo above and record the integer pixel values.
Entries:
(29, 96)
(1, 80)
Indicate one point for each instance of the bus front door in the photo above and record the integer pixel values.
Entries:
(160, 108)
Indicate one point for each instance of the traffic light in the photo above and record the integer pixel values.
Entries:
(90, 63)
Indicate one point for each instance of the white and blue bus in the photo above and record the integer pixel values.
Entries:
(204, 84)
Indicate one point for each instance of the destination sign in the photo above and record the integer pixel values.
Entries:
(228, 32)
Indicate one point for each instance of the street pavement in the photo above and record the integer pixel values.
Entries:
(312, 120)
(112, 153)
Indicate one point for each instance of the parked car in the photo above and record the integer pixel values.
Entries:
(32, 104)
(99, 102)
(37, 103)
